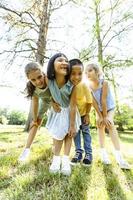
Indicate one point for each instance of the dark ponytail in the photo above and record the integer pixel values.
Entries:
(29, 90)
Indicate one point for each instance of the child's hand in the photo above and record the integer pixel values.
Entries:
(71, 132)
(107, 122)
(99, 122)
(86, 119)
(56, 107)
(36, 123)
(33, 123)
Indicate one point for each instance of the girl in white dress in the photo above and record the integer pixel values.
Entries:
(63, 124)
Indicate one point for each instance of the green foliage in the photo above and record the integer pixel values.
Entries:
(130, 123)
(124, 118)
(17, 117)
(14, 117)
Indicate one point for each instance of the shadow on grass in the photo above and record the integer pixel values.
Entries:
(126, 138)
(9, 136)
(113, 187)
(129, 178)
(4, 137)
(5, 182)
(58, 186)
(33, 181)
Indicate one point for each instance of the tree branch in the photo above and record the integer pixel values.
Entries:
(117, 34)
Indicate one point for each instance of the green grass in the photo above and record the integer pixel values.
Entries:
(32, 180)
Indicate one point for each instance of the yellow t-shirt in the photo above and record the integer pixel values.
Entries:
(83, 98)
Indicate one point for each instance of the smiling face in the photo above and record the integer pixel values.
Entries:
(36, 77)
(76, 74)
(61, 65)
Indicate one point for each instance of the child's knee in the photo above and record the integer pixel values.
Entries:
(112, 128)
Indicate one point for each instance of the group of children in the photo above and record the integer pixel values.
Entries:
(69, 101)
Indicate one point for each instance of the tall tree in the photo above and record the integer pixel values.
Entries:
(28, 30)
(111, 22)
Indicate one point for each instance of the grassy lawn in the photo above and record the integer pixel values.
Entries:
(32, 180)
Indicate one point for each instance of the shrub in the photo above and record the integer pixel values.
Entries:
(17, 117)
(124, 118)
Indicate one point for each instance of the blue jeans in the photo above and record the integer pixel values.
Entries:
(86, 139)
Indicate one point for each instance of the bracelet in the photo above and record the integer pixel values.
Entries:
(34, 123)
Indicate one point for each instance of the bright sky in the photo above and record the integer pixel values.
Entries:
(13, 99)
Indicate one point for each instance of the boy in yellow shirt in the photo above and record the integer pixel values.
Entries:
(84, 102)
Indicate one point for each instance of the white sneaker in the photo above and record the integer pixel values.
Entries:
(55, 166)
(105, 158)
(120, 160)
(65, 167)
(24, 156)
(124, 165)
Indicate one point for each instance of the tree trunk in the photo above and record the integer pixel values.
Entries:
(29, 119)
(98, 36)
(42, 39)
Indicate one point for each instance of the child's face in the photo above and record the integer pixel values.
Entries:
(91, 73)
(76, 74)
(36, 77)
(61, 65)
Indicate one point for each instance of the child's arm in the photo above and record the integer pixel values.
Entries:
(87, 117)
(88, 97)
(104, 104)
(35, 105)
(104, 98)
(72, 129)
(55, 106)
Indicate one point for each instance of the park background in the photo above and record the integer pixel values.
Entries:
(97, 31)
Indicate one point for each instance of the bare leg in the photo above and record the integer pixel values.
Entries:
(31, 136)
(26, 152)
(67, 145)
(32, 133)
(101, 135)
(114, 137)
(56, 161)
(57, 146)
(115, 140)
(104, 154)
(113, 132)
(66, 168)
